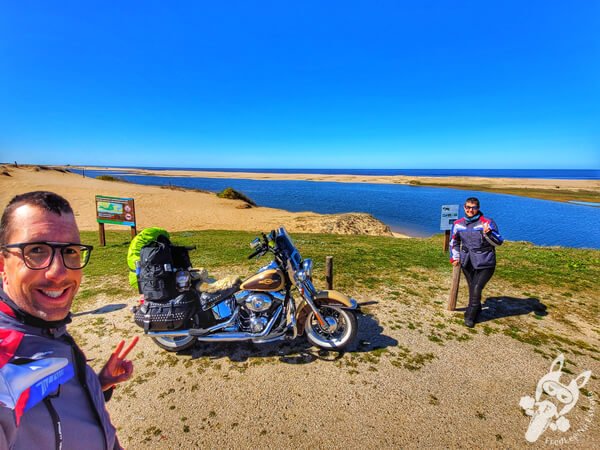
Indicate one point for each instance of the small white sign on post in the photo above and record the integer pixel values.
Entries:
(449, 216)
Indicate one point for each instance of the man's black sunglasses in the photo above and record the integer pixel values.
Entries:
(39, 255)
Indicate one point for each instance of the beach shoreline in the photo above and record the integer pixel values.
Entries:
(563, 190)
(177, 209)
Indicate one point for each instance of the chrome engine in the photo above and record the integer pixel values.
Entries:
(258, 302)
(256, 309)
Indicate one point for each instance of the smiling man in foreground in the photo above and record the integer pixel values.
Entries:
(49, 396)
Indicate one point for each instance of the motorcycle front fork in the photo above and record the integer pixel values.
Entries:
(307, 290)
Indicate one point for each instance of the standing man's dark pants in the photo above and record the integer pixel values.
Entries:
(477, 279)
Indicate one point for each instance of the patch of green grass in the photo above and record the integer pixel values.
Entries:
(151, 432)
(378, 352)
(167, 392)
(487, 330)
(554, 194)
(433, 400)
(435, 338)
(232, 194)
(111, 178)
(410, 360)
(400, 271)
(360, 260)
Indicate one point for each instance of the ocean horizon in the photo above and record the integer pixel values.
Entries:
(555, 174)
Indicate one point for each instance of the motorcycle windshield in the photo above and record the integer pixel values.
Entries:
(271, 265)
(284, 242)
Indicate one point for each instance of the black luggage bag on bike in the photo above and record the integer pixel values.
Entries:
(166, 306)
(158, 263)
(170, 315)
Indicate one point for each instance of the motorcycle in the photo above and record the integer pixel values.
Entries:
(262, 308)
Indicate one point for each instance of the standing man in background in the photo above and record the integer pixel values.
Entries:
(473, 243)
(49, 396)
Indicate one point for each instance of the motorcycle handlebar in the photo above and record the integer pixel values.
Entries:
(262, 249)
(255, 253)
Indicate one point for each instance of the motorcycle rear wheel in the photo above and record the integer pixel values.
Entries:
(343, 327)
(174, 344)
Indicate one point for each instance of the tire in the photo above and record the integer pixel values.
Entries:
(344, 332)
(175, 344)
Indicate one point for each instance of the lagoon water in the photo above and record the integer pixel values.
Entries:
(412, 210)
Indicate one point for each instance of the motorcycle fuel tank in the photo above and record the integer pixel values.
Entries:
(267, 280)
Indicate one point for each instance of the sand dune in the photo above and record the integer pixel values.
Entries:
(176, 209)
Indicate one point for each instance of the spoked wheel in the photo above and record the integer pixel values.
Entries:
(174, 344)
(339, 332)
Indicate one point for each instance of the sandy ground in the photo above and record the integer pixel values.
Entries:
(395, 389)
(177, 210)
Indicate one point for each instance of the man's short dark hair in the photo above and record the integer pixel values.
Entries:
(472, 200)
(48, 201)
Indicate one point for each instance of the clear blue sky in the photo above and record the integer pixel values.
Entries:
(302, 84)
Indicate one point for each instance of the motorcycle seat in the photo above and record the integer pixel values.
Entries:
(208, 299)
(212, 287)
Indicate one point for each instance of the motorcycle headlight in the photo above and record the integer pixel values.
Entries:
(306, 272)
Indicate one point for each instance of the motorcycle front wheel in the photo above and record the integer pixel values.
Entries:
(339, 332)
(174, 344)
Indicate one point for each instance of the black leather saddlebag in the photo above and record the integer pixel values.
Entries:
(165, 316)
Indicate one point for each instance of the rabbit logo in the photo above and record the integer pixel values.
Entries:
(559, 400)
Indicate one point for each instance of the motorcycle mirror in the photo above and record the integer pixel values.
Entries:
(255, 243)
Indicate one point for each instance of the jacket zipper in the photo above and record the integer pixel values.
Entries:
(58, 437)
(80, 364)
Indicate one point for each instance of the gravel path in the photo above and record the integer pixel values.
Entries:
(396, 389)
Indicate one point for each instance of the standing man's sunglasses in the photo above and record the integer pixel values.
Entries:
(39, 255)
(474, 208)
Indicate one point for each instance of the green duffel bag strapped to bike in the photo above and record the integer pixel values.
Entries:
(143, 238)
(158, 265)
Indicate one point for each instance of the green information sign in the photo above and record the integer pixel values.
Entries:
(115, 210)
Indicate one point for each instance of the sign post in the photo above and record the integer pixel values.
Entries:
(329, 271)
(454, 289)
(449, 216)
(115, 210)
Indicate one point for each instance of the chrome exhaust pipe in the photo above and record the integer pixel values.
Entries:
(242, 336)
(227, 336)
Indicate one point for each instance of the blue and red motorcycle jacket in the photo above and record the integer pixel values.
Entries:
(49, 396)
(469, 243)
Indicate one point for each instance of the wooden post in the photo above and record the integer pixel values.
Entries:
(329, 271)
(446, 240)
(454, 288)
(133, 232)
(102, 235)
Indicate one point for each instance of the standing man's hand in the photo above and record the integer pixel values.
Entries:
(117, 369)
(486, 228)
